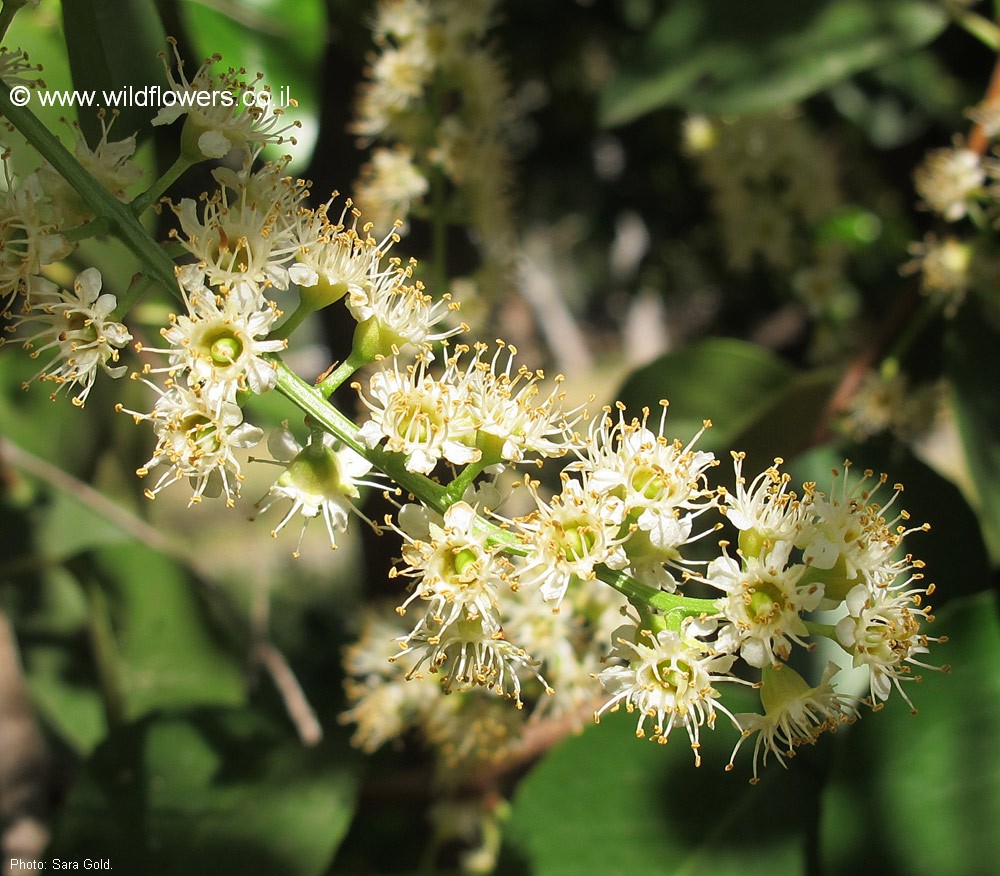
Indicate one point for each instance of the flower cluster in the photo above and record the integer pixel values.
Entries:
(436, 104)
(958, 184)
(479, 411)
(631, 503)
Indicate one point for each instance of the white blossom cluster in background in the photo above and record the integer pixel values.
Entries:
(437, 113)
(592, 597)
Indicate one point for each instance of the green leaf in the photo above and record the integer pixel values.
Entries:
(723, 57)
(606, 802)
(168, 647)
(282, 39)
(973, 365)
(748, 393)
(209, 791)
(920, 795)
(113, 44)
(953, 549)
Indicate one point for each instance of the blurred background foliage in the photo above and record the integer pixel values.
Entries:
(156, 640)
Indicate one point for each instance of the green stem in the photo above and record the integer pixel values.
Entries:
(295, 319)
(456, 489)
(102, 643)
(654, 597)
(122, 222)
(143, 202)
(95, 228)
(137, 288)
(311, 400)
(332, 382)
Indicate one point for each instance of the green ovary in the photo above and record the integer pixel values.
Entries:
(674, 674)
(316, 472)
(766, 601)
(648, 483)
(578, 540)
(224, 347)
(463, 559)
(202, 432)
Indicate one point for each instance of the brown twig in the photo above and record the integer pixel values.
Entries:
(299, 710)
(978, 140)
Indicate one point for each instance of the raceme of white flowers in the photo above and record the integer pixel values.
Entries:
(591, 598)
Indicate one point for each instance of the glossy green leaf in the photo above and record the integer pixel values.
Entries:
(113, 44)
(953, 549)
(973, 364)
(606, 802)
(920, 795)
(756, 402)
(723, 57)
(281, 39)
(170, 651)
(210, 791)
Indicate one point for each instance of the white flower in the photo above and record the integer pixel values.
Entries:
(468, 653)
(402, 312)
(455, 573)
(318, 479)
(27, 238)
(383, 703)
(661, 483)
(849, 533)
(794, 714)
(243, 237)
(669, 677)
(764, 511)
(763, 604)
(883, 632)
(419, 417)
(196, 440)
(13, 64)
(78, 332)
(335, 258)
(948, 179)
(569, 537)
(222, 340)
(513, 413)
(110, 162)
(224, 113)
(389, 183)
